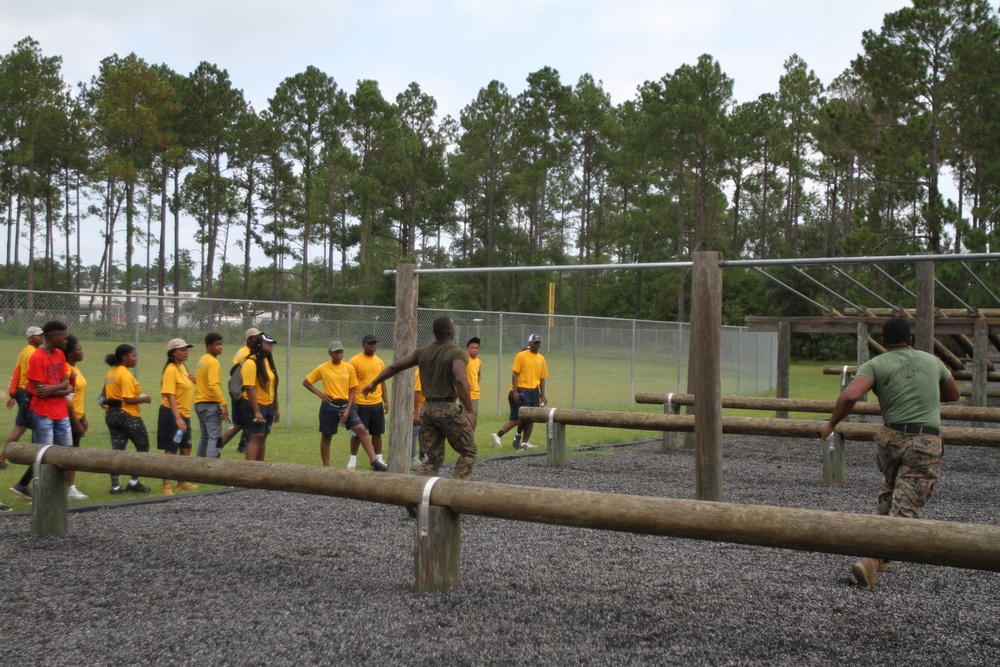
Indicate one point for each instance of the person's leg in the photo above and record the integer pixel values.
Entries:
(919, 472)
(431, 439)
(256, 446)
(462, 440)
(201, 409)
(364, 441)
(887, 460)
(114, 419)
(324, 449)
(139, 436)
(165, 489)
(512, 420)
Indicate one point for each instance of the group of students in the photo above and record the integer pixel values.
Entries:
(55, 385)
(50, 393)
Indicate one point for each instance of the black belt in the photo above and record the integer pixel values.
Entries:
(442, 400)
(914, 429)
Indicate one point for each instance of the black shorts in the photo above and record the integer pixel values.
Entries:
(166, 429)
(329, 417)
(266, 411)
(372, 418)
(530, 398)
(236, 414)
(23, 399)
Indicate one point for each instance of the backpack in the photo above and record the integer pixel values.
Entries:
(236, 382)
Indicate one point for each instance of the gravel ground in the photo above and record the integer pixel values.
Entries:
(255, 577)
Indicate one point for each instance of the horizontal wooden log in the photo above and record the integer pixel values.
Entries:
(973, 546)
(959, 375)
(797, 428)
(848, 325)
(963, 412)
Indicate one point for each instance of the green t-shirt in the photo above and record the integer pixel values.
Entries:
(434, 361)
(908, 385)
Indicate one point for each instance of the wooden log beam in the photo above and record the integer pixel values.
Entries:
(973, 546)
(797, 428)
(959, 374)
(963, 412)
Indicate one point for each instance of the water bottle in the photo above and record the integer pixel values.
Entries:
(178, 436)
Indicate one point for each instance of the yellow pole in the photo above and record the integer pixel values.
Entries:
(552, 310)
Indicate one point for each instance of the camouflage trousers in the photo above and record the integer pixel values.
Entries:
(446, 420)
(910, 465)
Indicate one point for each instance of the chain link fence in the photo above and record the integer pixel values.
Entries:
(594, 363)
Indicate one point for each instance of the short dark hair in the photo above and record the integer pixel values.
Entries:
(54, 325)
(442, 325)
(896, 330)
(213, 337)
(474, 339)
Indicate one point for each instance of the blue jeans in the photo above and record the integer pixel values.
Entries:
(48, 431)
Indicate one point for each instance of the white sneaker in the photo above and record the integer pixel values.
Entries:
(496, 440)
(74, 493)
(351, 465)
(528, 445)
(416, 461)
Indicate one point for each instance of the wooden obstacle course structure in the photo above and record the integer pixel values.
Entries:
(437, 551)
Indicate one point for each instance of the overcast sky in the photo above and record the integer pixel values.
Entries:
(453, 48)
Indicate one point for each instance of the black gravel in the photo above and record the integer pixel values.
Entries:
(266, 578)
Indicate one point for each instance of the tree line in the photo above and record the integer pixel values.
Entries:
(334, 187)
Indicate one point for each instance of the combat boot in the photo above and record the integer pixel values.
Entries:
(864, 571)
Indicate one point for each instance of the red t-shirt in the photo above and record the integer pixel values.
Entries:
(47, 368)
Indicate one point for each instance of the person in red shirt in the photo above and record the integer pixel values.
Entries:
(49, 385)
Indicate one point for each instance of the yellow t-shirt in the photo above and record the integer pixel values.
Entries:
(23, 357)
(419, 400)
(208, 381)
(472, 370)
(338, 379)
(241, 354)
(175, 382)
(530, 368)
(78, 393)
(120, 384)
(249, 374)
(368, 369)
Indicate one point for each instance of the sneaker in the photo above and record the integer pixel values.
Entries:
(74, 493)
(378, 466)
(352, 464)
(496, 440)
(115, 490)
(4, 508)
(186, 486)
(528, 445)
(165, 490)
(416, 461)
(242, 449)
(22, 491)
(137, 487)
(517, 441)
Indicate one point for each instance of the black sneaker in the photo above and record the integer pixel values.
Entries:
(23, 491)
(115, 490)
(242, 449)
(4, 508)
(378, 466)
(517, 441)
(137, 487)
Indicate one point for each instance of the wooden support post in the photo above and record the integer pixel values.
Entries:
(864, 354)
(48, 507)
(670, 438)
(437, 555)
(557, 446)
(706, 354)
(980, 368)
(924, 335)
(784, 364)
(404, 341)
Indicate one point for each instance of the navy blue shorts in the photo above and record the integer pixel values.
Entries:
(23, 399)
(166, 429)
(266, 411)
(530, 398)
(329, 417)
(372, 418)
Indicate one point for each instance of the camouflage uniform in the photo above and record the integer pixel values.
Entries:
(440, 420)
(911, 465)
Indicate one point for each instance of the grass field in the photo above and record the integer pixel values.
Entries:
(601, 384)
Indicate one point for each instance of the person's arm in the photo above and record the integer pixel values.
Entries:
(323, 396)
(853, 393)
(43, 390)
(252, 401)
(513, 387)
(178, 417)
(401, 364)
(350, 404)
(541, 392)
(949, 390)
(461, 374)
(416, 407)
(385, 398)
(75, 423)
